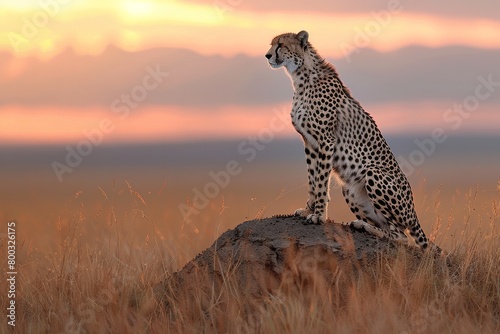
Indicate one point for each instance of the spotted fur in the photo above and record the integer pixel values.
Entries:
(342, 139)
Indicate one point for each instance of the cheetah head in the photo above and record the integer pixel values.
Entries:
(288, 50)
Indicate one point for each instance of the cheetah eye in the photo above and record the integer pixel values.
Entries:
(280, 45)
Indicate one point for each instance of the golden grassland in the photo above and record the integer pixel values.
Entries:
(93, 270)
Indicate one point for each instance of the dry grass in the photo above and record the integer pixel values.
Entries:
(95, 277)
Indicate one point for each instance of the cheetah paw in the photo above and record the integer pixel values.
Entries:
(356, 224)
(302, 212)
(361, 225)
(315, 219)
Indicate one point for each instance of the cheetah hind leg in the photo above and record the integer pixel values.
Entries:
(398, 235)
(364, 226)
(394, 234)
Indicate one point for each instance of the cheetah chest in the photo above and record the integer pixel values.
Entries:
(297, 115)
(301, 123)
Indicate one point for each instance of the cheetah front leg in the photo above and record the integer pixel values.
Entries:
(322, 186)
(311, 160)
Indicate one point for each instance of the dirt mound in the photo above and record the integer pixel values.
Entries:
(260, 256)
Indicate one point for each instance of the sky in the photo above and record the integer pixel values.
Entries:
(128, 71)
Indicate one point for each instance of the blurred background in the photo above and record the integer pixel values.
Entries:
(164, 115)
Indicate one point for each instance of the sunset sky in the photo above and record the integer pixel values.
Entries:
(180, 70)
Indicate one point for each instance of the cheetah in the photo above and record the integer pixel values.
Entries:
(342, 139)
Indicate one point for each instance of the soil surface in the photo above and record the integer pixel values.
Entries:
(263, 255)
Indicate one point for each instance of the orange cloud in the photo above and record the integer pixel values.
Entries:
(57, 125)
(90, 26)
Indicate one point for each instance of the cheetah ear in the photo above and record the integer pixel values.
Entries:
(303, 36)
